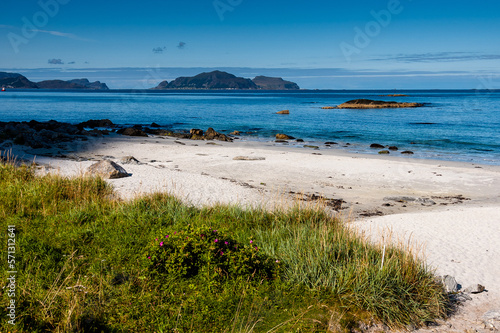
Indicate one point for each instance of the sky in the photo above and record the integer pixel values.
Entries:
(357, 44)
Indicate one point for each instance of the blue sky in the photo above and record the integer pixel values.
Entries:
(327, 44)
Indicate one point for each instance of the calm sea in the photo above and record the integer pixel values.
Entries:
(454, 125)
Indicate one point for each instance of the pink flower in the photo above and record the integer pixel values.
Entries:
(161, 244)
(166, 236)
(149, 257)
(277, 261)
(251, 241)
(216, 240)
(156, 239)
(221, 253)
(226, 243)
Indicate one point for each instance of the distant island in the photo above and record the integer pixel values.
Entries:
(18, 81)
(224, 80)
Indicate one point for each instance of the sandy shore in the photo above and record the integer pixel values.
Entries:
(451, 210)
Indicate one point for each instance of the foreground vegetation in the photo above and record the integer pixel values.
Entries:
(87, 262)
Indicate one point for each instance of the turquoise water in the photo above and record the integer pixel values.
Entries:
(454, 125)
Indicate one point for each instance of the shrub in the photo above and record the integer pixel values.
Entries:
(210, 254)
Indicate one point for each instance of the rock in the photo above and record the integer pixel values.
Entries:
(407, 152)
(131, 131)
(107, 170)
(328, 107)
(299, 140)
(331, 143)
(309, 146)
(154, 125)
(130, 160)
(474, 289)
(384, 152)
(248, 158)
(376, 145)
(281, 141)
(283, 112)
(450, 284)
(371, 104)
(394, 148)
(195, 131)
(211, 134)
(281, 136)
(92, 123)
(235, 133)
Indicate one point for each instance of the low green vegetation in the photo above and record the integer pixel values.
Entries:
(87, 262)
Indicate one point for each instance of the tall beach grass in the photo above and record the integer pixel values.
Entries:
(80, 258)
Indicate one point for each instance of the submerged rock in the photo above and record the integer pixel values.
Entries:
(283, 112)
(376, 145)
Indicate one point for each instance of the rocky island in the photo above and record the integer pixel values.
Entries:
(224, 80)
(18, 81)
(372, 104)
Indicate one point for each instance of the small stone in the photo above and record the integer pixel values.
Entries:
(450, 284)
(394, 148)
(474, 289)
(300, 140)
(376, 145)
(309, 146)
(384, 152)
(235, 133)
(407, 152)
(283, 112)
(130, 160)
(331, 143)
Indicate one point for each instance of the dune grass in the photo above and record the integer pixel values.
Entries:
(81, 258)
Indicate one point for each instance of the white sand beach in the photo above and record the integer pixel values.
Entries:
(449, 210)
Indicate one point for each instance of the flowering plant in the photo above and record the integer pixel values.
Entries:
(208, 253)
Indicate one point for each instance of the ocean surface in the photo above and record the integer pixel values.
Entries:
(457, 125)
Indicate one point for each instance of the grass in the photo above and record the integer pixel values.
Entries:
(81, 263)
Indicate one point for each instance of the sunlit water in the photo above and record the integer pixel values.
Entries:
(454, 125)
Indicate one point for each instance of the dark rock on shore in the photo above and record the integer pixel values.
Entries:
(211, 134)
(376, 145)
(407, 152)
(131, 131)
(372, 104)
(384, 152)
(393, 148)
(40, 134)
(96, 123)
